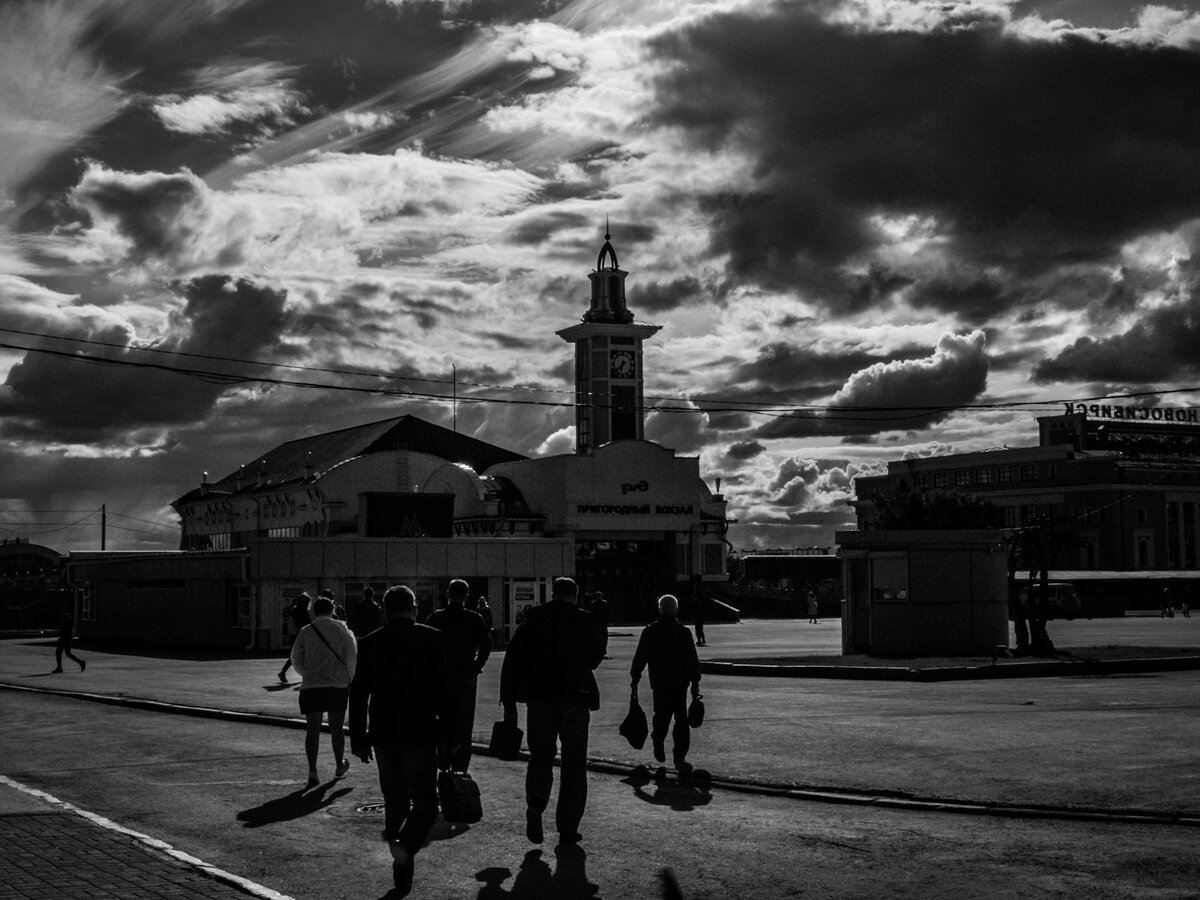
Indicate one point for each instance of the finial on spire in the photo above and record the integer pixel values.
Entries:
(607, 236)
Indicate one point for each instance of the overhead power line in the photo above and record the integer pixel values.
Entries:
(707, 405)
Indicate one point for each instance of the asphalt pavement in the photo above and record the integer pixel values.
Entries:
(1116, 749)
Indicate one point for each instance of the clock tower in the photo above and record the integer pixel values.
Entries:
(609, 405)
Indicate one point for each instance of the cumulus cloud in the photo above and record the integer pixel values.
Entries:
(225, 95)
(1017, 153)
(898, 396)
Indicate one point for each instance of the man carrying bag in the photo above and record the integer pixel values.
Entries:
(667, 647)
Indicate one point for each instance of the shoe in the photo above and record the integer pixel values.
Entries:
(533, 825)
(56, 671)
(282, 676)
(313, 779)
(684, 768)
(660, 750)
(342, 768)
(82, 664)
(569, 837)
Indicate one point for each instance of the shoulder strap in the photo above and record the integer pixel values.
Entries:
(325, 641)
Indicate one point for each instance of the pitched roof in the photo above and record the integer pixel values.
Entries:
(290, 461)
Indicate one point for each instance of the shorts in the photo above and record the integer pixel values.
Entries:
(325, 699)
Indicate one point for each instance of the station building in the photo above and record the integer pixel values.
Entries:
(406, 501)
(1120, 485)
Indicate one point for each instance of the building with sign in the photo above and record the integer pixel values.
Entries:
(1119, 487)
(404, 500)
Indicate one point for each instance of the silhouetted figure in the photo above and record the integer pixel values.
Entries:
(298, 612)
(1168, 606)
(599, 611)
(468, 642)
(666, 646)
(1185, 601)
(813, 608)
(324, 654)
(698, 618)
(400, 709)
(549, 666)
(66, 634)
(365, 615)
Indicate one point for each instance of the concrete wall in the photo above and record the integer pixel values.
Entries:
(924, 593)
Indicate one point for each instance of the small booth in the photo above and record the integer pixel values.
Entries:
(923, 593)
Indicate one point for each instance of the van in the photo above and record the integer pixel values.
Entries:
(1062, 600)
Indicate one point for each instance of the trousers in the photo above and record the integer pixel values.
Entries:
(408, 780)
(550, 725)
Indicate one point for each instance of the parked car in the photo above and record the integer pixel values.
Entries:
(1062, 600)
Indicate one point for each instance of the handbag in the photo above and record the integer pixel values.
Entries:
(506, 740)
(634, 727)
(696, 711)
(458, 796)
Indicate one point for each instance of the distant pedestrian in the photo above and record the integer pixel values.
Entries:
(400, 708)
(365, 615)
(549, 667)
(666, 646)
(339, 611)
(485, 611)
(1185, 601)
(66, 634)
(468, 643)
(698, 618)
(599, 610)
(297, 613)
(325, 654)
(813, 608)
(1168, 606)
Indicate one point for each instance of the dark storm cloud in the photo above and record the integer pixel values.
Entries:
(1161, 346)
(539, 229)
(511, 341)
(789, 368)
(897, 396)
(1028, 154)
(53, 398)
(744, 450)
(664, 296)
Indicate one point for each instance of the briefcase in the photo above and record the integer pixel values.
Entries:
(506, 740)
(458, 795)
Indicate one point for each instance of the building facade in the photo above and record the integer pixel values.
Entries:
(1118, 485)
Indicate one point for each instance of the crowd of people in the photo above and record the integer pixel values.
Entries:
(410, 690)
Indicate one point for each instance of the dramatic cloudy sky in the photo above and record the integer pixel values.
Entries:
(869, 229)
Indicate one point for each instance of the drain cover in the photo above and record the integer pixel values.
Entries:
(373, 808)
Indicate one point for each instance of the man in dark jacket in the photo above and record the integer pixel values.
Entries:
(365, 615)
(400, 708)
(548, 666)
(468, 643)
(666, 646)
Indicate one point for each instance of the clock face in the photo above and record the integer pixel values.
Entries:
(621, 364)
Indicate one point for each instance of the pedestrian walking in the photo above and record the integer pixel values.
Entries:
(599, 610)
(365, 615)
(667, 648)
(468, 643)
(549, 667)
(324, 654)
(485, 611)
(297, 613)
(1168, 606)
(698, 618)
(1185, 601)
(400, 709)
(813, 608)
(66, 634)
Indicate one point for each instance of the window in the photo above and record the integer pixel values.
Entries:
(238, 600)
(1010, 516)
(1004, 474)
(1029, 514)
(941, 479)
(983, 476)
(1029, 472)
(921, 481)
(962, 477)
(87, 608)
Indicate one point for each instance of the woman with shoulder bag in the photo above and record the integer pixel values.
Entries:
(324, 654)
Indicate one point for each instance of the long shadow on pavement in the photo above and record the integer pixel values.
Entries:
(536, 881)
(296, 805)
(681, 796)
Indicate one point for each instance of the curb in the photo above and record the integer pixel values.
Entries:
(1081, 667)
(812, 794)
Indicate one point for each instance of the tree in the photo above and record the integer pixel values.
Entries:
(906, 508)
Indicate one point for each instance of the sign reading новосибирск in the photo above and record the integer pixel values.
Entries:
(1133, 413)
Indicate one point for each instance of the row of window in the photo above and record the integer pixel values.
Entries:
(982, 475)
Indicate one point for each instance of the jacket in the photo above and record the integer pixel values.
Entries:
(551, 657)
(316, 663)
(666, 646)
(467, 638)
(400, 694)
